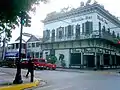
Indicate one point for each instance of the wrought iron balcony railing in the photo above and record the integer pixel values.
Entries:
(94, 34)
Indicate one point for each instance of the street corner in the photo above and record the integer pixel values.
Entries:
(21, 86)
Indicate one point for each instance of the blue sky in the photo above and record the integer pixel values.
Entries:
(113, 6)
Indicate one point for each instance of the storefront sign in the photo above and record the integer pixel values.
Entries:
(118, 54)
(81, 19)
(88, 53)
(75, 50)
(101, 19)
(107, 52)
(113, 53)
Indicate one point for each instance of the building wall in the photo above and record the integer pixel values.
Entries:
(105, 21)
(36, 50)
(46, 52)
(74, 20)
(66, 54)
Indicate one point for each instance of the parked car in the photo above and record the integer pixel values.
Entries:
(39, 63)
(10, 62)
(50, 66)
(24, 63)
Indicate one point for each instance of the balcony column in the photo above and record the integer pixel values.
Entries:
(95, 55)
(81, 59)
(115, 60)
(110, 61)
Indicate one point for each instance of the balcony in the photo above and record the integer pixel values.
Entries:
(94, 34)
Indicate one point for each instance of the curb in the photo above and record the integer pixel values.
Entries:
(21, 86)
(70, 71)
(107, 73)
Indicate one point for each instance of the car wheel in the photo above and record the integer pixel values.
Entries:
(53, 68)
(47, 68)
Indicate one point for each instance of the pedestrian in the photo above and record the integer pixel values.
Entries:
(30, 69)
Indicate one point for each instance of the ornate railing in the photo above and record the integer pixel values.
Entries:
(94, 34)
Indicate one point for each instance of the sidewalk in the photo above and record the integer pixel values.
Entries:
(111, 71)
(6, 82)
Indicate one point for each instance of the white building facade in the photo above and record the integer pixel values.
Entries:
(87, 37)
(34, 47)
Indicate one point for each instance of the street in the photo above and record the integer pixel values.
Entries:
(59, 80)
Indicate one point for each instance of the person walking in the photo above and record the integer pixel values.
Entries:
(30, 69)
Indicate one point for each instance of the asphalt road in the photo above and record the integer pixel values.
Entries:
(58, 80)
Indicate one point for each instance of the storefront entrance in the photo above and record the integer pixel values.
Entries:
(89, 60)
(75, 59)
(106, 59)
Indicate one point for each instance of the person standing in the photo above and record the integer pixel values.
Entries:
(30, 69)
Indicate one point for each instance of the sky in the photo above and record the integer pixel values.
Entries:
(113, 6)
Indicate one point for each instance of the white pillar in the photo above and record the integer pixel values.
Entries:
(110, 62)
(95, 59)
(101, 59)
(81, 59)
(115, 60)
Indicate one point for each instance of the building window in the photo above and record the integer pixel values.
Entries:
(37, 44)
(13, 46)
(66, 31)
(46, 46)
(113, 34)
(103, 29)
(118, 36)
(88, 27)
(24, 46)
(33, 44)
(53, 33)
(60, 32)
(70, 30)
(41, 54)
(99, 27)
(17, 45)
(60, 35)
(29, 45)
(37, 55)
(46, 34)
(77, 31)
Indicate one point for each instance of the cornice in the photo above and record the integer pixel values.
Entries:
(82, 10)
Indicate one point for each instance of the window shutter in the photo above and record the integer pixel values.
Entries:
(44, 34)
(66, 31)
(87, 27)
(72, 30)
(83, 28)
(57, 33)
(69, 30)
(91, 27)
(63, 31)
(77, 31)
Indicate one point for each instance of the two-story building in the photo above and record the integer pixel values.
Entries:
(34, 46)
(86, 36)
(13, 48)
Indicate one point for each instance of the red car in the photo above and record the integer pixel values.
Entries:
(24, 63)
(50, 66)
(39, 63)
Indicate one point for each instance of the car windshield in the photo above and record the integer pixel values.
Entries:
(40, 60)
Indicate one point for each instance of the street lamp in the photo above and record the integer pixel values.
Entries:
(24, 20)
(18, 78)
